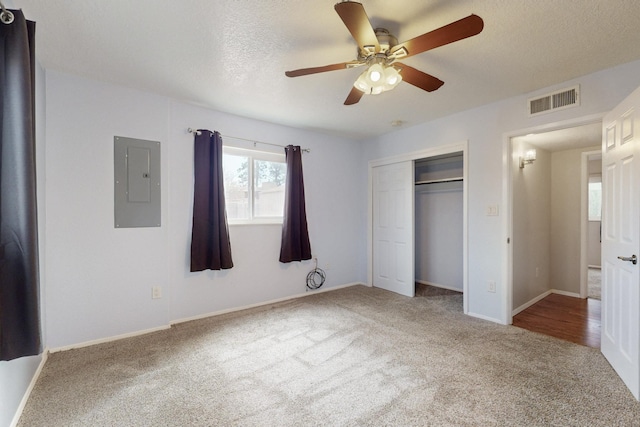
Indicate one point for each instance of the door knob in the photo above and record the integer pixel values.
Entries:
(632, 258)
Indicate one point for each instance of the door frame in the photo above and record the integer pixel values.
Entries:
(412, 157)
(507, 199)
(584, 220)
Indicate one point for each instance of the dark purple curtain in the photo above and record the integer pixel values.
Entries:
(210, 245)
(295, 244)
(19, 281)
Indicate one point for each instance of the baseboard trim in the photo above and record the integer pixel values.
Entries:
(483, 317)
(565, 293)
(542, 296)
(531, 302)
(27, 393)
(259, 304)
(109, 339)
(436, 285)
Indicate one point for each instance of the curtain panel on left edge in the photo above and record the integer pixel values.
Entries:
(210, 243)
(20, 333)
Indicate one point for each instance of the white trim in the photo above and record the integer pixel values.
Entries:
(412, 156)
(483, 317)
(507, 251)
(259, 304)
(566, 293)
(531, 302)
(437, 285)
(420, 154)
(27, 393)
(584, 219)
(543, 296)
(109, 339)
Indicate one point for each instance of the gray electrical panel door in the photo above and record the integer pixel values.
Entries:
(137, 182)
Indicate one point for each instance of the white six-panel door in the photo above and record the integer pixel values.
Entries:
(393, 251)
(621, 240)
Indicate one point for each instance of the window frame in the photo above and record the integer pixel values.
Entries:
(253, 155)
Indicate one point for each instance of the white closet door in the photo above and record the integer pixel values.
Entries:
(393, 244)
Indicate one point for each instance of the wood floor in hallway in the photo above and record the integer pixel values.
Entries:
(572, 319)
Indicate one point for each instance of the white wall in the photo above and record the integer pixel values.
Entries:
(334, 177)
(531, 225)
(99, 278)
(487, 129)
(438, 234)
(566, 199)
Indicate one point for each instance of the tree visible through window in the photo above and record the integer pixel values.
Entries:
(254, 185)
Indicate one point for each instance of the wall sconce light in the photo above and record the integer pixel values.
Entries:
(528, 158)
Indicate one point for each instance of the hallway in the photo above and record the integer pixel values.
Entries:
(571, 319)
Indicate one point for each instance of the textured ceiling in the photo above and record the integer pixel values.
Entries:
(231, 55)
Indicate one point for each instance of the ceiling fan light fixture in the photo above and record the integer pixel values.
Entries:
(377, 79)
(391, 78)
(375, 73)
(361, 83)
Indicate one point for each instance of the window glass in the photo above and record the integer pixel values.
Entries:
(268, 195)
(254, 184)
(595, 198)
(236, 186)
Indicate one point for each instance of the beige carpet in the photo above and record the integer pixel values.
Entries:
(357, 356)
(594, 282)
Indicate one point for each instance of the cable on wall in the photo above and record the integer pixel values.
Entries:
(316, 277)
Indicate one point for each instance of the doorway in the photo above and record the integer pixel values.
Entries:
(549, 185)
(438, 225)
(383, 209)
(592, 180)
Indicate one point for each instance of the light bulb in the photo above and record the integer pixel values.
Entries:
(375, 73)
(391, 78)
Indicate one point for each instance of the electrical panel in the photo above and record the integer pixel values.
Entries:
(137, 182)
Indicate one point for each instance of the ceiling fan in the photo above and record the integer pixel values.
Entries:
(380, 51)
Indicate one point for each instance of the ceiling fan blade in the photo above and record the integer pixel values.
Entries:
(458, 30)
(314, 70)
(354, 96)
(418, 78)
(355, 18)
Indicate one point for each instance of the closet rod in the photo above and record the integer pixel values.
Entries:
(437, 181)
(197, 132)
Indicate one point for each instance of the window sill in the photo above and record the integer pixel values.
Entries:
(244, 223)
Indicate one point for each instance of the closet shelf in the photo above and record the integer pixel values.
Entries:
(437, 181)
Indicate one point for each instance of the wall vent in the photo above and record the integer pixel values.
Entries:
(554, 101)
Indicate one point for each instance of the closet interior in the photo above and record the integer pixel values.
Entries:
(439, 221)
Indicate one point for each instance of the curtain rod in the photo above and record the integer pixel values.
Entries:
(5, 16)
(197, 132)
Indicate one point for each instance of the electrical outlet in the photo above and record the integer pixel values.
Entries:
(537, 271)
(491, 286)
(156, 292)
(492, 210)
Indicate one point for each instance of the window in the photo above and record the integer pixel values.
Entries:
(254, 183)
(595, 198)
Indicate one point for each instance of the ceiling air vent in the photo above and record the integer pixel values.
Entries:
(559, 100)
